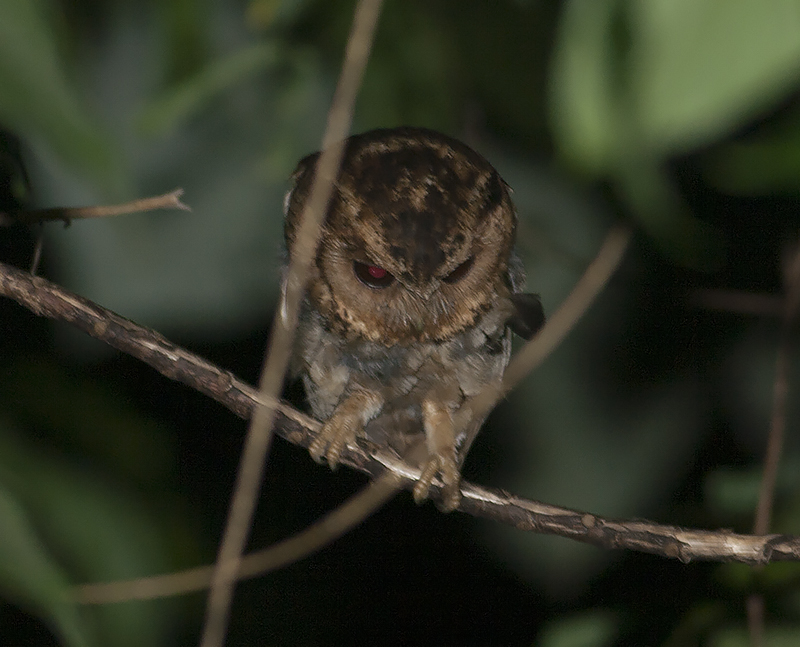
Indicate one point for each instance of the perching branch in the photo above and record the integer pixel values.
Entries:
(49, 300)
(738, 302)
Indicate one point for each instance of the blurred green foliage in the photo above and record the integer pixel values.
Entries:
(40, 101)
(680, 116)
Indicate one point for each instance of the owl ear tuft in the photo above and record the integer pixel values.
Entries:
(528, 315)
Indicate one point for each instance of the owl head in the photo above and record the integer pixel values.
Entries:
(416, 241)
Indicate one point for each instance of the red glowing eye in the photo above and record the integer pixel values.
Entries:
(372, 276)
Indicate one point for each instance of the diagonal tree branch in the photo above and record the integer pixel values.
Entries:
(49, 300)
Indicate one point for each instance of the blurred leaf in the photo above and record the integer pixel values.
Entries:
(686, 73)
(731, 493)
(656, 202)
(165, 113)
(592, 629)
(698, 69)
(412, 76)
(774, 636)
(88, 418)
(31, 578)
(696, 622)
(234, 163)
(36, 98)
(267, 14)
(764, 163)
(95, 532)
(186, 35)
(583, 108)
(672, 76)
(738, 577)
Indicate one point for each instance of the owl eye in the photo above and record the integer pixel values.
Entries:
(372, 276)
(460, 272)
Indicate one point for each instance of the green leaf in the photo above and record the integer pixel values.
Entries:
(36, 98)
(582, 103)
(699, 69)
(31, 578)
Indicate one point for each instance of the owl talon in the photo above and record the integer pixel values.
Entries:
(451, 480)
(328, 447)
(317, 449)
(333, 437)
(335, 451)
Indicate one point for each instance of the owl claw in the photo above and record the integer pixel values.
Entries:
(451, 480)
(333, 437)
(318, 449)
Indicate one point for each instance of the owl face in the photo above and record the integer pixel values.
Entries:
(416, 241)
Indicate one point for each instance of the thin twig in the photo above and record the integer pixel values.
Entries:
(330, 527)
(259, 434)
(777, 431)
(37, 249)
(46, 299)
(779, 394)
(739, 302)
(754, 608)
(582, 296)
(169, 200)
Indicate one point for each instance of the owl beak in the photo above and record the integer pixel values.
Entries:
(425, 290)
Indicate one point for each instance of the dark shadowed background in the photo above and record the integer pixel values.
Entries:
(680, 118)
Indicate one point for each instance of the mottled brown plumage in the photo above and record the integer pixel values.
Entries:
(411, 296)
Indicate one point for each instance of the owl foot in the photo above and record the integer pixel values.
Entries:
(344, 425)
(329, 444)
(446, 467)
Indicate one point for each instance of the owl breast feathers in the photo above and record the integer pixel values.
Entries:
(412, 298)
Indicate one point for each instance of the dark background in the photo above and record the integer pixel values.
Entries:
(680, 120)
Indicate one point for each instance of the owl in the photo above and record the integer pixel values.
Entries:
(411, 300)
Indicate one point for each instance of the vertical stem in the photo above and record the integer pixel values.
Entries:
(259, 433)
(777, 429)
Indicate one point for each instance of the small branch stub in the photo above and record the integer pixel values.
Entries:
(169, 200)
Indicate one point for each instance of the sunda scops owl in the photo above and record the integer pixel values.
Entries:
(412, 297)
